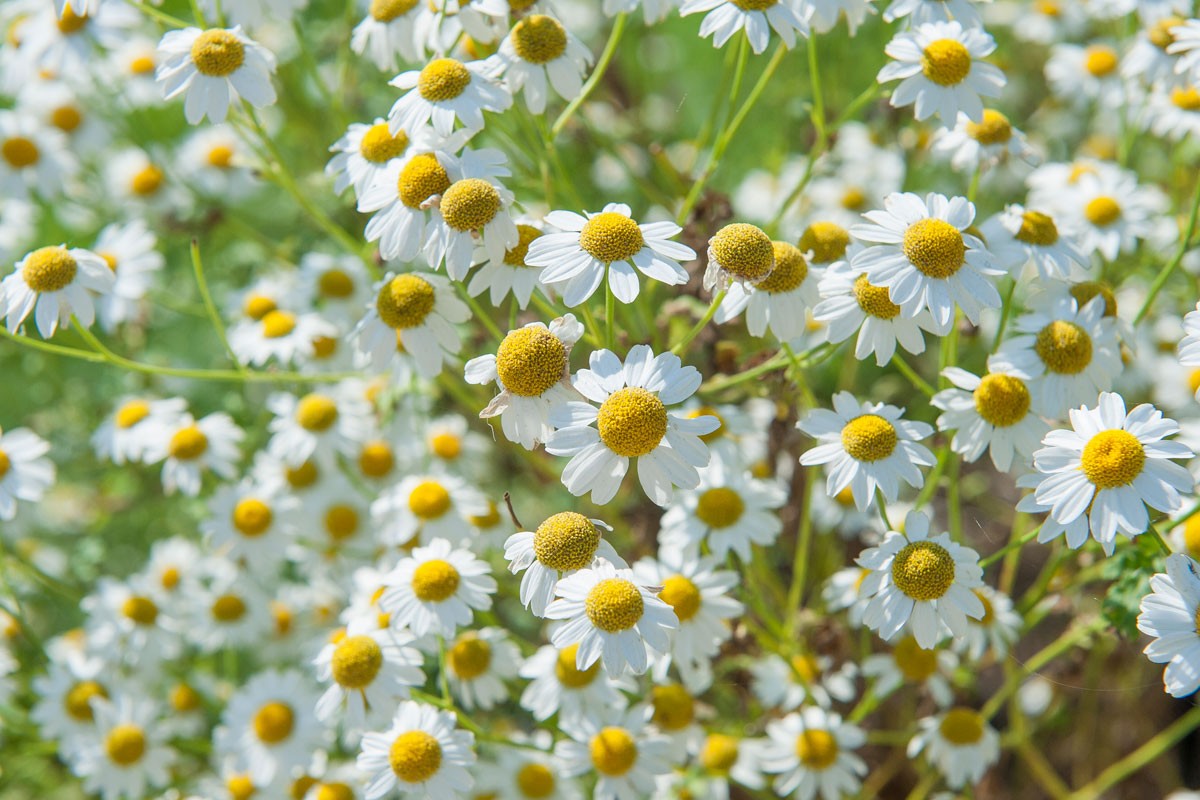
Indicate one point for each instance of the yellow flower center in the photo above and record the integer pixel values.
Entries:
(719, 753)
(1186, 98)
(744, 251)
(470, 656)
(188, 443)
(334, 791)
(240, 787)
(530, 361)
(443, 79)
(277, 324)
(516, 256)
(379, 146)
(914, 662)
(388, 10)
(422, 177)
(674, 707)
(252, 517)
(140, 609)
(1160, 32)
(405, 301)
(874, 300)
(1037, 228)
(869, 437)
(682, 595)
(143, 65)
(1191, 534)
(257, 306)
(935, 247)
(1100, 61)
(961, 726)
(1112, 458)
(415, 756)
(614, 605)
(125, 744)
(995, 128)
(66, 118)
(147, 181)
(535, 780)
(790, 270)
(228, 608)
(709, 411)
(356, 662)
(218, 53)
(429, 500)
(376, 459)
(335, 283)
(1002, 400)
(316, 412)
(816, 749)
(566, 541)
(754, 5)
(446, 446)
(20, 152)
(989, 612)
(613, 751)
(220, 156)
(845, 498)
(70, 22)
(539, 39)
(720, 507)
(487, 520)
(610, 237)
(827, 241)
(273, 722)
(184, 698)
(923, 570)
(1064, 347)
(566, 672)
(1102, 211)
(341, 522)
(435, 581)
(946, 62)
(170, 578)
(1085, 291)
(854, 199)
(806, 667)
(470, 204)
(632, 421)
(303, 476)
(131, 414)
(78, 700)
(49, 269)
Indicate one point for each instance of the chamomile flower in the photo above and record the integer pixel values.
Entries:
(319, 424)
(368, 669)
(779, 301)
(529, 774)
(996, 631)
(217, 162)
(34, 158)
(868, 447)
(812, 752)
(282, 336)
(531, 368)
(726, 17)
(422, 754)
(192, 446)
(1019, 236)
(127, 433)
(1174, 113)
(540, 53)
(437, 589)
(557, 686)
(363, 153)
(909, 664)
(983, 145)
(1081, 75)
(126, 622)
(212, 69)
(939, 68)
(415, 311)
(387, 34)
(563, 544)
(254, 13)
(631, 422)
(511, 273)
(738, 253)
(612, 617)
(619, 750)
(444, 91)
(920, 582)
(422, 508)
(727, 512)
(25, 472)
(268, 728)
(131, 253)
(477, 665)
(851, 304)
(1110, 212)
(1168, 615)
(251, 524)
(470, 212)
(919, 12)
(482, 21)
(1110, 466)
(63, 709)
(230, 611)
(130, 756)
(789, 683)
(608, 243)
(960, 743)
(1069, 354)
(991, 413)
(54, 283)
(923, 255)
(1185, 43)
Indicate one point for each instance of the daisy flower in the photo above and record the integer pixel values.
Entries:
(1174, 113)
(1109, 212)
(909, 664)
(251, 524)
(361, 156)
(851, 304)
(960, 743)
(127, 433)
(192, 446)
(64, 709)
(1068, 353)
(868, 447)
(482, 21)
(130, 756)
(53, 283)
(541, 52)
(218, 162)
(923, 255)
(212, 68)
(939, 69)
(529, 774)
(130, 251)
(563, 544)
(738, 253)
(286, 337)
(726, 17)
(1185, 43)
(632, 422)
(229, 611)
(1110, 466)
(387, 34)
(919, 12)
(779, 301)
(125, 622)
(557, 686)
(1080, 75)
(1019, 236)
(471, 212)
(268, 728)
(617, 748)
(1168, 615)
(812, 753)
(368, 669)
(437, 589)
(477, 665)
(983, 145)
(531, 368)
(422, 508)
(727, 760)
(920, 582)
(990, 413)
(511, 273)
(997, 630)
(25, 472)
(34, 158)
(609, 242)
(612, 618)
(252, 13)
(415, 311)
(727, 512)
(445, 90)
(422, 754)
(319, 424)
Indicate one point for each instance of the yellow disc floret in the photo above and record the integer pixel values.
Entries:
(146, 181)
(1086, 291)
(131, 414)
(530, 361)
(429, 500)
(1102, 211)
(934, 247)
(1064, 347)
(755, 5)
(1186, 97)
(816, 749)
(566, 541)
(961, 726)
(415, 756)
(614, 605)
(610, 237)
(539, 39)
(1002, 400)
(946, 62)
(1037, 228)
(422, 177)
(1112, 458)
(49, 269)
(405, 301)
(335, 283)
(923, 570)
(869, 437)
(682, 595)
(874, 300)
(719, 753)
(720, 507)
(188, 443)
(257, 306)
(516, 256)
(914, 662)
(125, 744)
(535, 780)
(470, 656)
(995, 128)
(356, 662)
(333, 791)
(790, 270)
(744, 251)
(632, 421)
(388, 10)
(341, 522)
(435, 581)
(1100, 61)
(316, 412)
(378, 145)
(78, 700)
(20, 152)
(568, 674)
(470, 204)
(613, 751)
(674, 707)
(443, 79)
(274, 721)
(277, 324)
(376, 459)
(228, 608)
(218, 53)
(140, 609)
(827, 241)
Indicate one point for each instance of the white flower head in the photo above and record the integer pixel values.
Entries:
(726, 17)
(563, 544)
(812, 751)
(960, 743)
(991, 413)
(1169, 615)
(851, 303)
(416, 312)
(539, 52)
(52, 283)
(446, 90)
(212, 68)
(939, 68)
(423, 754)
(437, 589)
(1019, 236)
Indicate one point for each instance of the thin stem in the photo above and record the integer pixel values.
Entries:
(210, 306)
(1162, 543)
(1067, 640)
(610, 50)
(800, 559)
(1150, 750)
(1165, 274)
(1005, 312)
(701, 323)
(161, 16)
(814, 79)
(47, 347)
(480, 312)
(1015, 544)
(916, 380)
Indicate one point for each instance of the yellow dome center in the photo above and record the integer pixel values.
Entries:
(516, 256)
(946, 62)
(356, 662)
(70, 22)
(273, 722)
(935, 247)
(388, 10)
(869, 437)
(125, 744)
(1160, 34)
(146, 181)
(1085, 291)
(1102, 211)
(682, 595)
(218, 53)
(989, 611)
(1064, 347)
(1002, 400)
(923, 570)
(435, 581)
(755, 5)
(443, 79)
(376, 459)
(49, 269)
(184, 698)
(446, 446)
(674, 707)
(790, 270)
(915, 663)
(240, 787)
(961, 726)
(228, 608)
(220, 156)
(614, 605)
(995, 128)
(613, 751)
(719, 753)
(1191, 534)
(874, 300)
(827, 241)
(415, 756)
(379, 146)
(335, 283)
(539, 39)
(405, 301)
(470, 204)
(429, 500)
(566, 541)
(140, 609)
(816, 749)
(566, 672)
(188, 443)
(744, 251)
(334, 791)
(78, 700)
(1100, 61)
(632, 422)
(1186, 98)
(422, 177)
(720, 507)
(66, 118)
(535, 780)
(1112, 458)
(530, 361)
(303, 476)
(1037, 228)
(470, 656)
(277, 324)
(610, 236)
(257, 306)
(341, 522)
(131, 414)
(20, 152)
(316, 412)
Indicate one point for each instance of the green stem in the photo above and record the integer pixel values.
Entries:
(916, 380)
(800, 559)
(701, 323)
(1150, 750)
(1005, 313)
(1067, 640)
(610, 50)
(210, 306)
(1165, 274)
(480, 312)
(1162, 543)
(1015, 544)
(161, 16)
